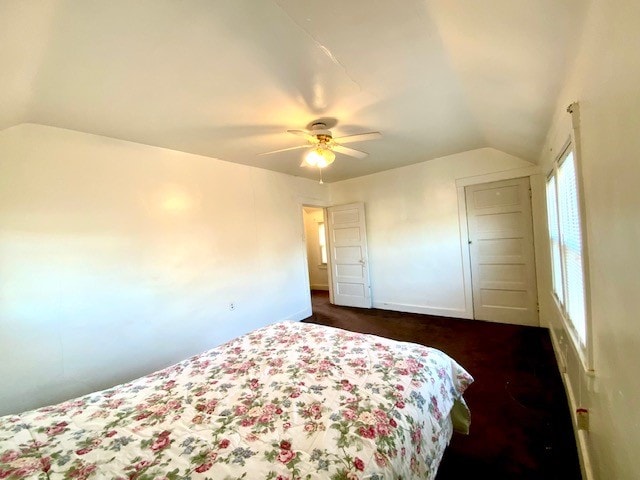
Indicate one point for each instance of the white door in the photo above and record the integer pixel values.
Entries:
(503, 273)
(348, 256)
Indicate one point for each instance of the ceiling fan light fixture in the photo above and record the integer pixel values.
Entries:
(320, 157)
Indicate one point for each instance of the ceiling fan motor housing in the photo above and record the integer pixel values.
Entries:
(321, 132)
(323, 137)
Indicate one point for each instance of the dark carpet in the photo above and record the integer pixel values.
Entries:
(520, 423)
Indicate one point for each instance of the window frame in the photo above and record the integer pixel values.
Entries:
(322, 244)
(552, 179)
(585, 351)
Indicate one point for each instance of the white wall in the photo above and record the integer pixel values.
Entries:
(413, 230)
(604, 80)
(318, 276)
(117, 259)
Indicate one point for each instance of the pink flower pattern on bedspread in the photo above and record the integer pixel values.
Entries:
(288, 401)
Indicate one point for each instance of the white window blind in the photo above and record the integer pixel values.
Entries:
(571, 243)
(565, 237)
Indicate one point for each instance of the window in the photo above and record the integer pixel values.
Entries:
(565, 236)
(322, 241)
(554, 239)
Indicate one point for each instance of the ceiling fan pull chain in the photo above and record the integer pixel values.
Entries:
(321, 182)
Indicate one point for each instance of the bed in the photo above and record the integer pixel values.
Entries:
(291, 400)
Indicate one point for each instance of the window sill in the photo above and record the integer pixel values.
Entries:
(582, 352)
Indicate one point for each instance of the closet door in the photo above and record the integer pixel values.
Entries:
(501, 250)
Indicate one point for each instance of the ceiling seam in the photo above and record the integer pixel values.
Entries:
(324, 49)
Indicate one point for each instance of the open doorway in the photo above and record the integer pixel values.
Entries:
(317, 253)
(316, 242)
(336, 251)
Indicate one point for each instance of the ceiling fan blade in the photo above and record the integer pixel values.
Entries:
(303, 134)
(349, 151)
(358, 137)
(284, 150)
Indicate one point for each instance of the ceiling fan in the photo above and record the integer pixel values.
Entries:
(322, 144)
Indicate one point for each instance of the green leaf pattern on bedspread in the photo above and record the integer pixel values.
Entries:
(288, 401)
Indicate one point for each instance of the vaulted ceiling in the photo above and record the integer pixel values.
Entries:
(227, 78)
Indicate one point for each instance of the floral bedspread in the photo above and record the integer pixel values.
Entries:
(292, 400)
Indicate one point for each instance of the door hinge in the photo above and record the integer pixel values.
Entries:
(530, 194)
(538, 306)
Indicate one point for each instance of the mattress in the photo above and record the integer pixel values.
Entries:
(288, 401)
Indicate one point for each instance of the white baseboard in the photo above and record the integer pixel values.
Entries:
(560, 358)
(301, 315)
(319, 286)
(444, 312)
(582, 437)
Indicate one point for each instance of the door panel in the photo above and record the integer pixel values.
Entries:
(510, 273)
(496, 197)
(503, 298)
(348, 255)
(355, 271)
(351, 289)
(501, 249)
(490, 225)
(504, 246)
(347, 234)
